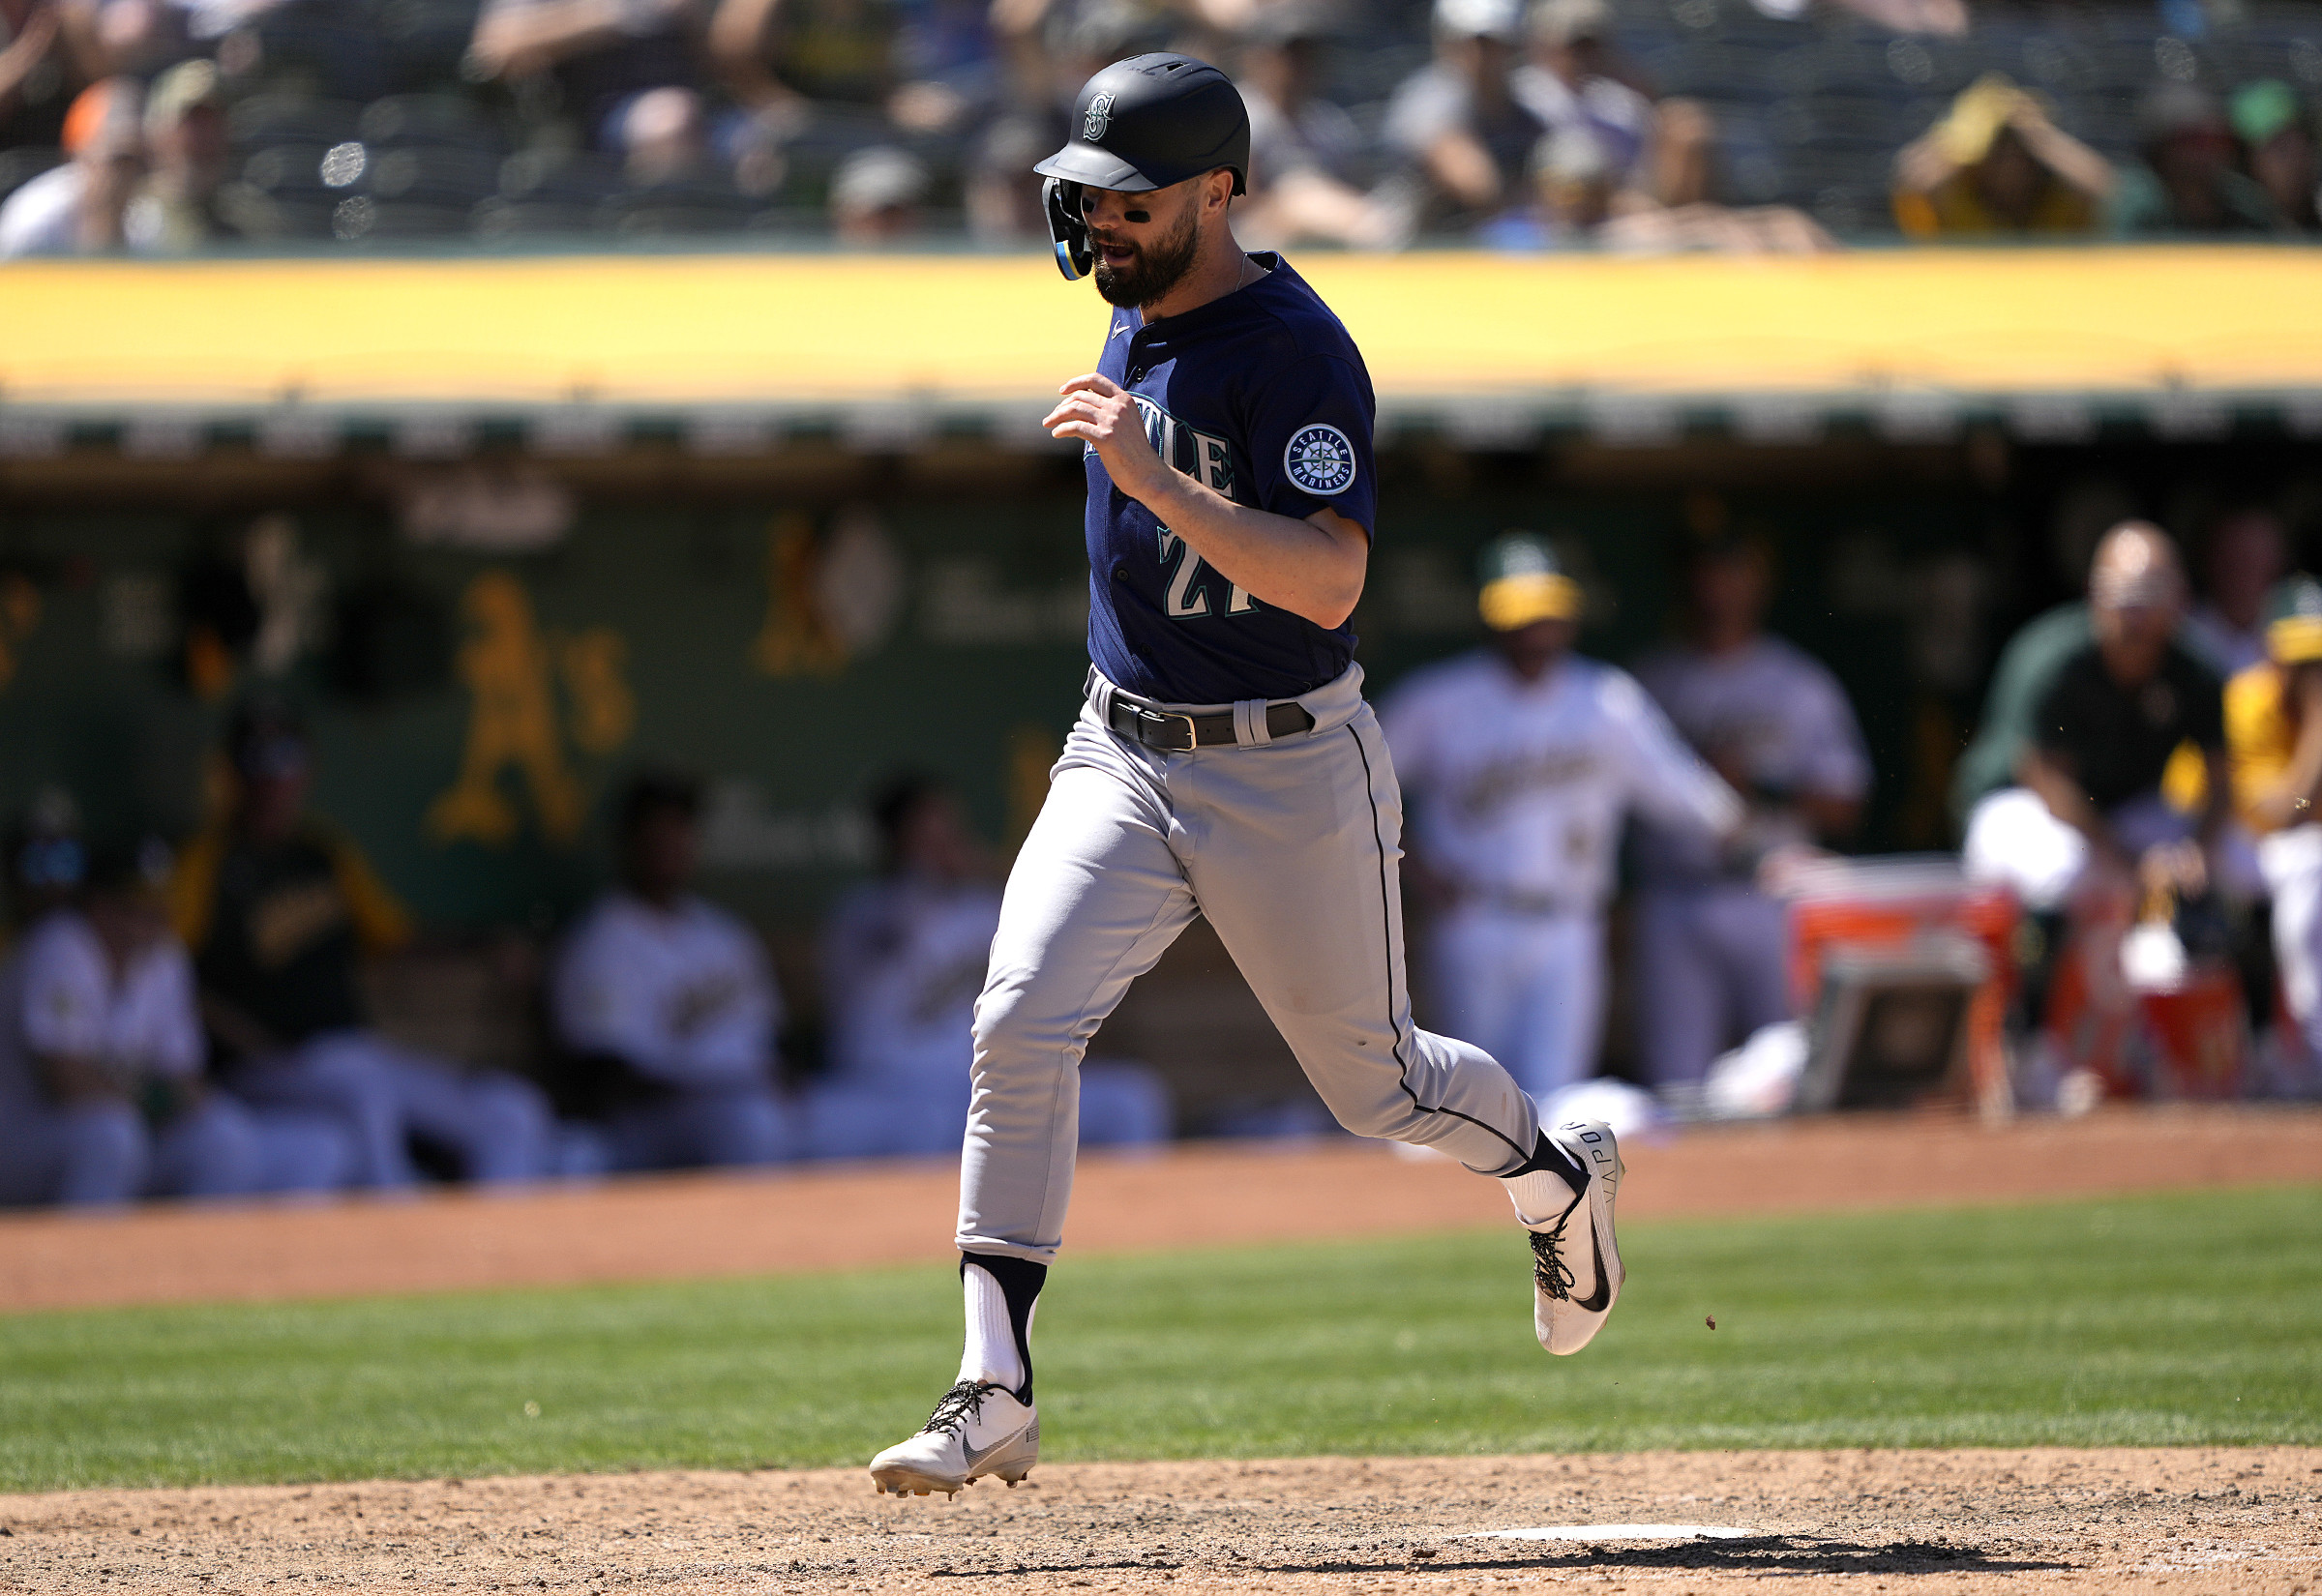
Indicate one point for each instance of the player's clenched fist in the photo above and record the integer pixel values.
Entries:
(1099, 412)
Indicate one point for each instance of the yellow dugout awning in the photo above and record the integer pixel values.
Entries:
(1464, 334)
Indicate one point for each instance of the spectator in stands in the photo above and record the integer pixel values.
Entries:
(2187, 184)
(2273, 737)
(664, 140)
(1995, 166)
(784, 58)
(2108, 717)
(1457, 123)
(35, 75)
(2242, 557)
(278, 909)
(2277, 136)
(1046, 56)
(875, 196)
(77, 208)
(946, 55)
(668, 1007)
(1576, 188)
(594, 55)
(103, 1097)
(1776, 723)
(1568, 85)
(175, 210)
(1304, 151)
(127, 38)
(904, 959)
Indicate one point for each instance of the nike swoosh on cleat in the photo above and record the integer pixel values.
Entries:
(975, 1459)
(1598, 1300)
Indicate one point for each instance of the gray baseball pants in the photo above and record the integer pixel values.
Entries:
(1289, 847)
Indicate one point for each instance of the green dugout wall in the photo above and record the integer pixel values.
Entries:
(475, 709)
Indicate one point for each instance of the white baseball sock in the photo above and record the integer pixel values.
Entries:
(990, 1353)
(1543, 1188)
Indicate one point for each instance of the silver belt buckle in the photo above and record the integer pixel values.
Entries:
(1163, 717)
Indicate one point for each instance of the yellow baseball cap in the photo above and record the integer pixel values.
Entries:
(1523, 583)
(2294, 621)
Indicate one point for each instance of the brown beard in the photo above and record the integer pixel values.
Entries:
(1155, 269)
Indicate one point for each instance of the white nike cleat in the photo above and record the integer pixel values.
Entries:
(978, 1429)
(1576, 1268)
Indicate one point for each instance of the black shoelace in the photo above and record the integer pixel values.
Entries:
(1548, 1267)
(962, 1403)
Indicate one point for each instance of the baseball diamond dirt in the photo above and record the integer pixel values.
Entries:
(2184, 1520)
(2173, 1522)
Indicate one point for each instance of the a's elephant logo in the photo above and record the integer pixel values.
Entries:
(511, 671)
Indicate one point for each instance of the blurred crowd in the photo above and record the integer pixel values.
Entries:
(167, 125)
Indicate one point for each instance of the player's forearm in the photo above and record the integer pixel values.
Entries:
(530, 40)
(2068, 801)
(1309, 570)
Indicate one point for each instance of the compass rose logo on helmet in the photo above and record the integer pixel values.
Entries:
(1143, 124)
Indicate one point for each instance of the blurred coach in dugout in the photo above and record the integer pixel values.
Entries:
(666, 1006)
(278, 909)
(2107, 718)
(1711, 948)
(1522, 759)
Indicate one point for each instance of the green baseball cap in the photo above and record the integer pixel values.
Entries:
(2262, 110)
(2294, 621)
(1523, 583)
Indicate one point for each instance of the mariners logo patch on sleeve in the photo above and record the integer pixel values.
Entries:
(1319, 460)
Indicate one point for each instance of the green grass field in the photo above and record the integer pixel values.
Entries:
(2149, 1321)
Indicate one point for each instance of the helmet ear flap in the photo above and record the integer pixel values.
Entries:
(1060, 200)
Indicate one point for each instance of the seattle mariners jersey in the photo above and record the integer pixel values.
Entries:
(1261, 396)
(1768, 710)
(59, 997)
(1521, 785)
(684, 996)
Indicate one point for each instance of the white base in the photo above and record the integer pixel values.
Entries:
(1610, 1532)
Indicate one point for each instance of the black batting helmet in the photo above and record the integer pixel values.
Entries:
(1144, 123)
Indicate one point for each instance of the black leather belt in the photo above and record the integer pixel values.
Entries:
(1142, 720)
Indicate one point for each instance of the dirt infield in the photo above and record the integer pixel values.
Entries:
(2172, 1521)
(1220, 1193)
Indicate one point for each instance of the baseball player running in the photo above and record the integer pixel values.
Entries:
(1225, 763)
(1521, 758)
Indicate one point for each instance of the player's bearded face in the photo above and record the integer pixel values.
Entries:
(1136, 265)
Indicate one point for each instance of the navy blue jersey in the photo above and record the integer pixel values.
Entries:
(1263, 395)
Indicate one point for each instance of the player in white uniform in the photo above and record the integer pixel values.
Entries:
(101, 1092)
(2273, 737)
(1711, 949)
(669, 1006)
(1522, 759)
(902, 961)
